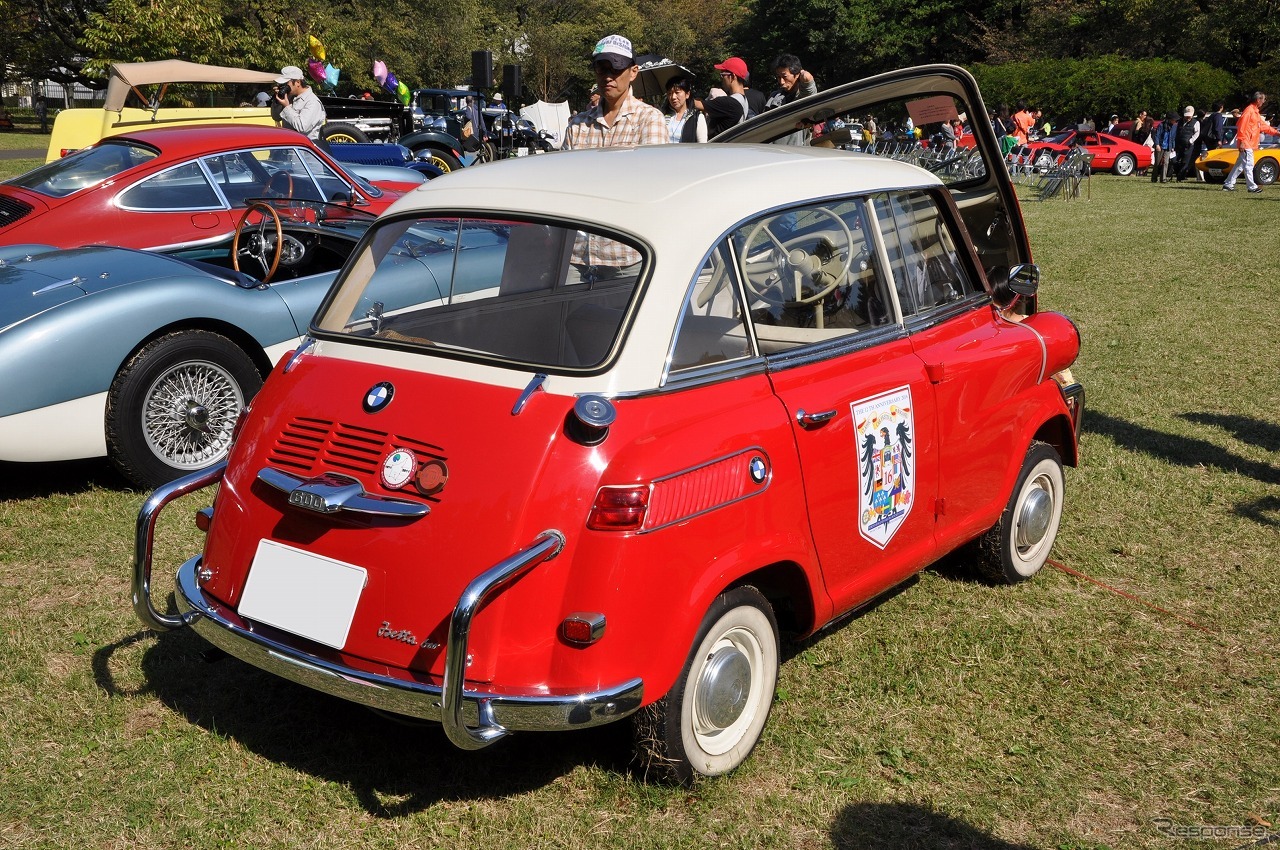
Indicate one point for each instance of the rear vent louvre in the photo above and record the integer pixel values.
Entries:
(11, 209)
(311, 446)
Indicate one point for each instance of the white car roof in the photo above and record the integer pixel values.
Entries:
(679, 199)
(613, 186)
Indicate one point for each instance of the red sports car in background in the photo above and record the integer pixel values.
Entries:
(1110, 153)
(175, 186)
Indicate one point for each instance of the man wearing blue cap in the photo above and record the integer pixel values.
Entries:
(619, 118)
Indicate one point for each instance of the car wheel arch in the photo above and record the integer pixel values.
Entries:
(244, 341)
(794, 593)
(1059, 432)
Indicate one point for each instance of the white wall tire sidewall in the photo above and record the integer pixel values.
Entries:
(1045, 475)
(751, 631)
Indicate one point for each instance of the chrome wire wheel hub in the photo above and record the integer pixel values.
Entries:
(189, 413)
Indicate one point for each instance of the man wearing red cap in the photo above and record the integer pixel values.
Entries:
(619, 118)
(730, 108)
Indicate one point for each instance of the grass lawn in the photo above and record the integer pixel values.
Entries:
(1055, 714)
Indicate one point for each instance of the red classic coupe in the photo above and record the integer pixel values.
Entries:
(174, 187)
(1110, 153)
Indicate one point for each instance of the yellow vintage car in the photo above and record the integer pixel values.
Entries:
(1215, 164)
(78, 128)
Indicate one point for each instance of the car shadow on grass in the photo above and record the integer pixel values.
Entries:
(1177, 449)
(1246, 429)
(393, 767)
(38, 480)
(1193, 452)
(892, 826)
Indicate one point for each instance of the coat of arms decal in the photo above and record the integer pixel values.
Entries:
(886, 470)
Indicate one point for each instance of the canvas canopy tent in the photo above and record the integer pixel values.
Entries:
(552, 117)
(125, 77)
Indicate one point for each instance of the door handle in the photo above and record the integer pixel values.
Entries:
(813, 420)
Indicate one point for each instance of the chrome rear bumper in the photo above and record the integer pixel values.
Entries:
(471, 719)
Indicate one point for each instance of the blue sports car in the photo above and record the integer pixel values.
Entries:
(148, 357)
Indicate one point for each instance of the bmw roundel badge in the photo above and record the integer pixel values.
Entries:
(378, 397)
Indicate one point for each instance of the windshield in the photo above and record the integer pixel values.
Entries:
(84, 168)
(538, 295)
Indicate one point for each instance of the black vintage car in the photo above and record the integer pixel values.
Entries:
(352, 119)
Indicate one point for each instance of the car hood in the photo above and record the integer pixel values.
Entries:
(34, 279)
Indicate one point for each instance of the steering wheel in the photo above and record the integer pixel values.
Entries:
(263, 250)
(815, 273)
(274, 184)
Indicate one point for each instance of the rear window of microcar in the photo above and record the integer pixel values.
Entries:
(534, 294)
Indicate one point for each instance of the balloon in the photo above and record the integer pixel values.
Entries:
(331, 75)
(317, 49)
(380, 72)
(402, 92)
(391, 83)
(316, 69)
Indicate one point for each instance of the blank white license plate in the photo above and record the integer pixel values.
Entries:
(304, 594)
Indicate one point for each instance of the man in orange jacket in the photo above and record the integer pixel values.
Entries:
(1249, 130)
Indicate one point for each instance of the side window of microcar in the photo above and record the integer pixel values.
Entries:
(809, 274)
(926, 267)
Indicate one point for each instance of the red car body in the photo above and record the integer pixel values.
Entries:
(584, 490)
(1110, 153)
(86, 198)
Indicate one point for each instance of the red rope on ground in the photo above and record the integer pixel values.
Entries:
(1130, 596)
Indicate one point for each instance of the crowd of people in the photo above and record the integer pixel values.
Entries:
(618, 117)
(615, 116)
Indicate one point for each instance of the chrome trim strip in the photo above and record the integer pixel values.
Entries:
(71, 281)
(1044, 348)
(282, 655)
(145, 531)
(804, 355)
(330, 493)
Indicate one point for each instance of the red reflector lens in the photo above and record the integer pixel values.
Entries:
(582, 629)
(204, 519)
(619, 508)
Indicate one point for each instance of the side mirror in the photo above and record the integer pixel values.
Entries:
(1024, 279)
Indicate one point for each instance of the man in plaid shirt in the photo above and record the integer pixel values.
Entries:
(619, 118)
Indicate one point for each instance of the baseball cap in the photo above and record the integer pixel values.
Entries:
(616, 50)
(289, 72)
(1189, 111)
(734, 66)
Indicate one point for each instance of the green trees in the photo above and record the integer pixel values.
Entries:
(1072, 56)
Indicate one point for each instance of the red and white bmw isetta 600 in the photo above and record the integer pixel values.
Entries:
(656, 407)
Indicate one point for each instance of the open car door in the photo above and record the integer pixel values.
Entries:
(927, 95)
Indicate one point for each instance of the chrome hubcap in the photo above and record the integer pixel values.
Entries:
(723, 688)
(1034, 516)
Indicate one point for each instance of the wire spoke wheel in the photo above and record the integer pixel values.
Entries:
(188, 414)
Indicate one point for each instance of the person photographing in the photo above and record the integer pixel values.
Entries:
(297, 106)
